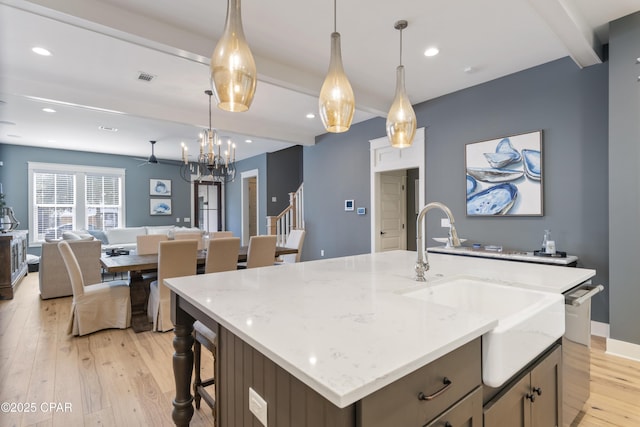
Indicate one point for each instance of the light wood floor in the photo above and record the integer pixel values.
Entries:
(109, 378)
(120, 378)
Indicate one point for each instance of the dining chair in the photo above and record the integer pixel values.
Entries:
(222, 254)
(95, 306)
(176, 258)
(197, 236)
(147, 244)
(261, 251)
(220, 234)
(294, 241)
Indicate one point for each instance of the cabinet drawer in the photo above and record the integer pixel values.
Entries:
(466, 413)
(399, 402)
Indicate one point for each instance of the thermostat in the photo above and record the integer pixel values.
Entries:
(362, 211)
(348, 205)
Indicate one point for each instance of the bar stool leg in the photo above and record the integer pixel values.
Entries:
(197, 349)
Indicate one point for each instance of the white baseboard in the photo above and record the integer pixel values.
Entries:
(623, 349)
(599, 329)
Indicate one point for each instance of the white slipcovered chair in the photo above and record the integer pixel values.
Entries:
(294, 241)
(197, 236)
(220, 234)
(222, 254)
(176, 258)
(261, 251)
(95, 306)
(147, 244)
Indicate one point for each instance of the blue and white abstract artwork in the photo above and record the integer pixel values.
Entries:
(504, 176)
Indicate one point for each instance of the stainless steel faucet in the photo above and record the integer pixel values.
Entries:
(422, 265)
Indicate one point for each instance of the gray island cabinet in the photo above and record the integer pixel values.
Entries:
(337, 343)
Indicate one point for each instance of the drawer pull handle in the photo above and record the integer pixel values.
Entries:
(447, 383)
(538, 391)
(531, 397)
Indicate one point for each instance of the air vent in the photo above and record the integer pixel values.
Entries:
(146, 77)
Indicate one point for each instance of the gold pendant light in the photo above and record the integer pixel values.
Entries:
(336, 101)
(233, 70)
(401, 120)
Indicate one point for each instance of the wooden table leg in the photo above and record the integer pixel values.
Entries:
(182, 368)
(139, 288)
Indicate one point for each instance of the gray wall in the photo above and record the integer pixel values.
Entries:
(14, 178)
(624, 178)
(284, 176)
(568, 104)
(336, 168)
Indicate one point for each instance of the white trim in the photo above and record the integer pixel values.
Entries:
(599, 329)
(60, 167)
(384, 158)
(80, 171)
(623, 349)
(244, 195)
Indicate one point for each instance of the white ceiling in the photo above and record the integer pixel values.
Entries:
(100, 46)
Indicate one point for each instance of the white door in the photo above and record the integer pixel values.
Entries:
(393, 202)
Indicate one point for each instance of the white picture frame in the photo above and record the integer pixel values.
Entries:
(159, 187)
(160, 207)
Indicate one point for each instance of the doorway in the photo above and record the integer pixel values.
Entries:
(250, 205)
(207, 205)
(392, 206)
(387, 161)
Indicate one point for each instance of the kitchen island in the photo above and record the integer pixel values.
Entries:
(339, 329)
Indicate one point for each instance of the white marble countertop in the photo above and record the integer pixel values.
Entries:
(508, 255)
(340, 325)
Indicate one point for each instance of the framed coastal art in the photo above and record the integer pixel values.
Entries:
(159, 187)
(160, 206)
(504, 176)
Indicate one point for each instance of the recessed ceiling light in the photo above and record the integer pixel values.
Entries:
(51, 140)
(108, 129)
(12, 135)
(248, 141)
(431, 51)
(41, 51)
(311, 116)
(469, 69)
(48, 110)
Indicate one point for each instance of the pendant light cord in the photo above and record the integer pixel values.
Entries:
(400, 46)
(209, 113)
(335, 13)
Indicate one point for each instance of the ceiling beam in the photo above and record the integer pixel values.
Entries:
(582, 44)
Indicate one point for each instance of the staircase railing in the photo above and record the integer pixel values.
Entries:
(291, 218)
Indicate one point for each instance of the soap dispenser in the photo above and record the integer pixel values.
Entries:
(545, 240)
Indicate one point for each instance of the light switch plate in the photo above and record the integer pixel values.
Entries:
(444, 222)
(258, 406)
(187, 220)
(177, 219)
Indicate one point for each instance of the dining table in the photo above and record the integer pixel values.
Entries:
(140, 269)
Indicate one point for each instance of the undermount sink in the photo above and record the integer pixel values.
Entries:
(529, 321)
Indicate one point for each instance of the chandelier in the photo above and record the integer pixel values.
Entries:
(211, 164)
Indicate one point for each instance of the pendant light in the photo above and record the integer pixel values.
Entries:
(336, 101)
(233, 70)
(401, 120)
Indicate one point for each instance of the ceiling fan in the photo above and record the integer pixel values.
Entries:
(152, 160)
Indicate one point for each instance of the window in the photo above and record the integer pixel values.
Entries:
(73, 197)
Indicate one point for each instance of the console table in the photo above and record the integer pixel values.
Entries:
(13, 261)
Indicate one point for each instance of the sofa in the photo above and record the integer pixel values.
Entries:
(54, 280)
(125, 238)
(88, 246)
